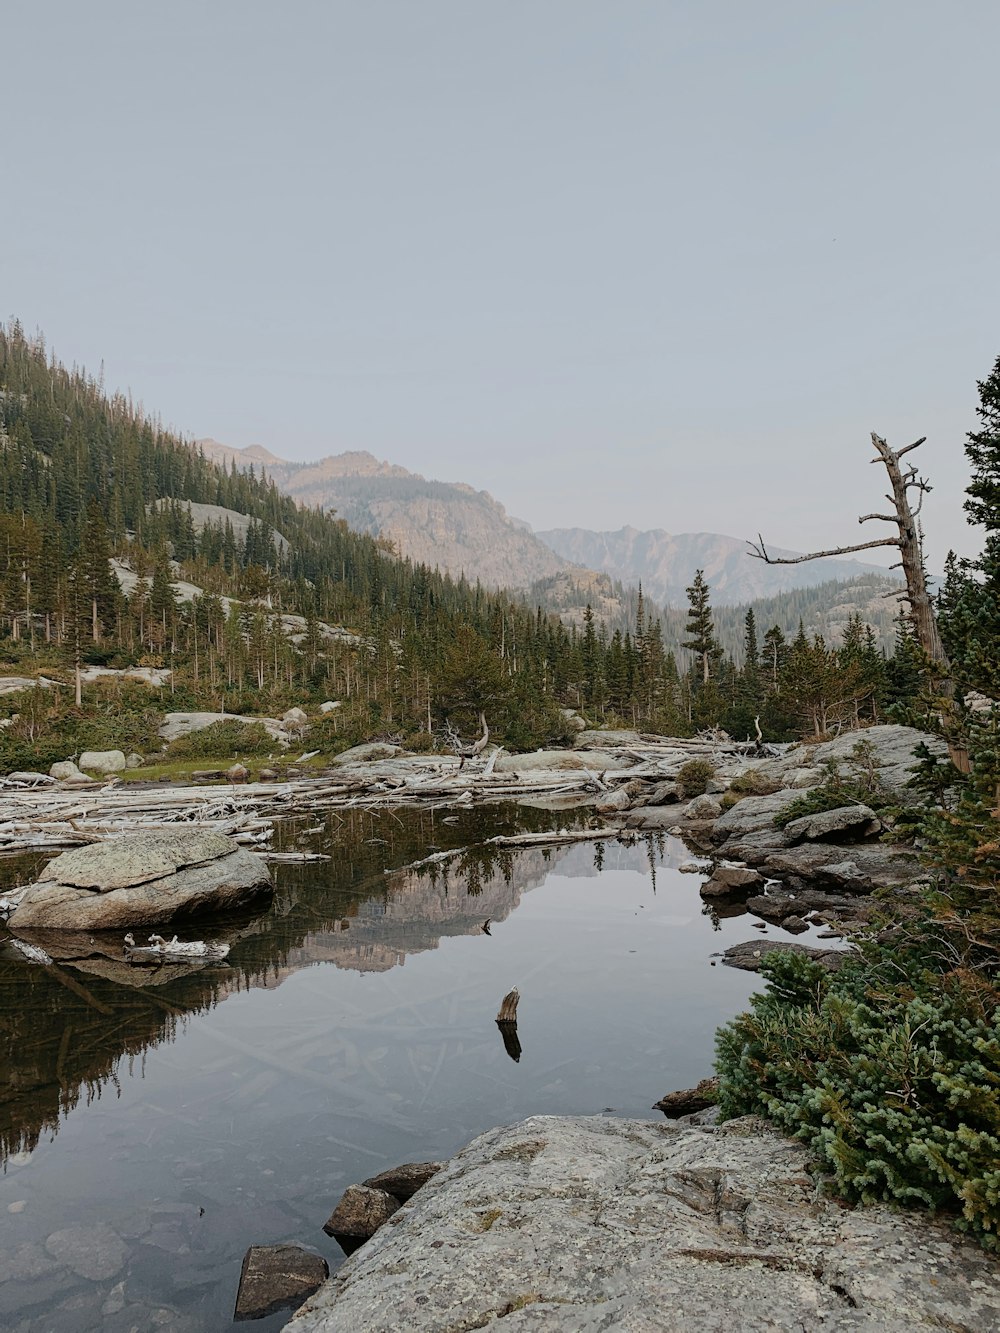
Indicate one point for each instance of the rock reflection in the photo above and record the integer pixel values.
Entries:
(64, 1028)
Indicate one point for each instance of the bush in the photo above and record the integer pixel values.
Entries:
(888, 1070)
(751, 782)
(693, 777)
(228, 739)
(860, 785)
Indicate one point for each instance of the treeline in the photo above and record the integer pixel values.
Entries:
(96, 534)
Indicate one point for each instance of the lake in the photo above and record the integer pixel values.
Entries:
(151, 1133)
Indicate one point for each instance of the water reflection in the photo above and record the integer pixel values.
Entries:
(358, 1031)
(65, 1028)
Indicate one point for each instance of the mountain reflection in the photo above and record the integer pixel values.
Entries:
(65, 1028)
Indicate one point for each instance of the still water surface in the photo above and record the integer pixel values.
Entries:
(153, 1132)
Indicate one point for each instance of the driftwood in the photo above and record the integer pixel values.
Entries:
(507, 1023)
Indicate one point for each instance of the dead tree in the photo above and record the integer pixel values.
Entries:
(455, 743)
(907, 541)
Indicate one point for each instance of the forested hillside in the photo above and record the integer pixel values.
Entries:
(116, 551)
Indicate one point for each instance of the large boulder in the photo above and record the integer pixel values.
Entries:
(594, 761)
(846, 823)
(64, 770)
(573, 1225)
(149, 878)
(892, 747)
(102, 761)
(368, 753)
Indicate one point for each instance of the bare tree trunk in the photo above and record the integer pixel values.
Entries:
(909, 545)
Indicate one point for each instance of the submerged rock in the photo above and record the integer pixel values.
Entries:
(749, 955)
(578, 1225)
(148, 878)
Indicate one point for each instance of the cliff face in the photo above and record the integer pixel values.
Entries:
(665, 563)
(443, 524)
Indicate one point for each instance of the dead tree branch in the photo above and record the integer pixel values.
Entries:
(909, 543)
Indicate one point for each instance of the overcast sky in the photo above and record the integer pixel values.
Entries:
(648, 262)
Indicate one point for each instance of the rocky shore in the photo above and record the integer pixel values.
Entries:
(597, 1223)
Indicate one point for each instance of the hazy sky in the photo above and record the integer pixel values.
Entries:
(653, 262)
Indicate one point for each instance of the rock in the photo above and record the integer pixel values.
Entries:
(749, 955)
(26, 778)
(610, 802)
(801, 778)
(573, 719)
(847, 823)
(176, 725)
(267, 774)
(330, 705)
(402, 1182)
(593, 760)
(752, 815)
(728, 880)
(794, 925)
(102, 761)
(150, 878)
(704, 807)
(664, 793)
(93, 1251)
(366, 754)
(12, 684)
(134, 760)
(577, 1225)
(359, 1214)
(63, 770)
(277, 1277)
(662, 818)
(893, 746)
(599, 740)
(689, 1100)
(295, 718)
(238, 773)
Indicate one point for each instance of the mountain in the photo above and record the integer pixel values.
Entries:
(441, 524)
(665, 563)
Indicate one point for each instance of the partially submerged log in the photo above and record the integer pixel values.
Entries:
(507, 1023)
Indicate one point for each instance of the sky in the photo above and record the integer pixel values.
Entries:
(651, 262)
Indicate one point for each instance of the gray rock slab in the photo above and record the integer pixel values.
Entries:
(893, 746)
(360, 1212)
(102, 761)
(754, 814)
(559, 760)
(136, 858)
(580, 1225)
(277, 1277)
(366, 754)
(840, 824)
(403, 1181)
(749, 955)
(229, 880)
(93, 1251)
(597, 740)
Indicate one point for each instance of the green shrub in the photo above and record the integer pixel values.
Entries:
(888, 1070)
(859, 785)
(751, 782)
(227, 739)
(693, 777)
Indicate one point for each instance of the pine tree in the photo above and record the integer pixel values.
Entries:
(700, 627)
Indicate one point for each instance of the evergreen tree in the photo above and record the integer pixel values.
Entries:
(700, 627)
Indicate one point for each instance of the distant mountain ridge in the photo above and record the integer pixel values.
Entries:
(664, 563)
(440, 524)
(460, 530)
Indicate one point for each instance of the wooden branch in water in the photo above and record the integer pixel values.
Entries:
(508, 1007)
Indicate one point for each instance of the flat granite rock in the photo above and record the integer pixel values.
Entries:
(580, 1225)
(149, 878)
(277, 1277)
(121, 862)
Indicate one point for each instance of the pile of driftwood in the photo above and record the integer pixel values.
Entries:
(52, 817)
